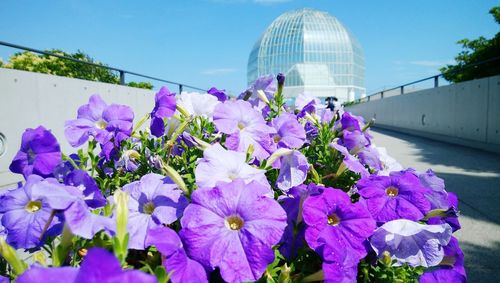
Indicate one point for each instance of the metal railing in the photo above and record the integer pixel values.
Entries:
(121, 72)
(435, 78)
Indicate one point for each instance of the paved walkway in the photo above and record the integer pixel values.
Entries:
(474, 175)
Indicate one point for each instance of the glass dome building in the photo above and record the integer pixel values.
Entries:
(318, 55)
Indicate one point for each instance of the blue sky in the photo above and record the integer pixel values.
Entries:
(206, 43)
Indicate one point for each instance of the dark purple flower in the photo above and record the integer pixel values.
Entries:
(219, 93)
(451, 216)
(411, 243)
(175, 260)
(154, 200)
(233, 226)
(334, 223)
(91, 192)
(442, 275)
(98, 119)
(39, 153)
(350, 122)
(292, 202)
(394, 197)
(350, 162)
(27, 210)
(289, 132)
(343, 269)
(245, 126)
(281, 79)
(98, 265)
(164, 108)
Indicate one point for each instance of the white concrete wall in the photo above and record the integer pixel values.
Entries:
(466, 113)
(28, 100)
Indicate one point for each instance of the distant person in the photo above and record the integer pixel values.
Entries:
(331, 103)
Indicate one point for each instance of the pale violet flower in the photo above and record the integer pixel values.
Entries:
(389, 164)
(304, 98)
(412, 243)
(198, 104)
(221, 165)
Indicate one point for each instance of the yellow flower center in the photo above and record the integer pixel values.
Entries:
(148, 208)
(333, 219)
(241, 125)
(101, 124)
(391, 191)
(276, 138)
(234, 222)
(33, 206)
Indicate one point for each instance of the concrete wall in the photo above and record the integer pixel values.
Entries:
(466, 113)
(28, 100)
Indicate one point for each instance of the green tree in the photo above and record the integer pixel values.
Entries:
(46, 64)
(469, 66)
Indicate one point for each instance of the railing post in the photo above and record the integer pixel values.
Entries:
(436, 81)
(180, 89)
(122, 77)
(402, 89)
(381, 94)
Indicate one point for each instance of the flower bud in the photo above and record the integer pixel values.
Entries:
(277, 154)
(262, 96)
(121, 201)
(9, 254)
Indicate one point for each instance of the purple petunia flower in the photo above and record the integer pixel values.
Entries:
(343, 269)
(267, 84)
(233, 227)
(292, 203)
(452, 217)
(442, 275)
(219, 93)
(27, 211)
(221, 165)
(370, 156)
(154, 200)
(437, 196)
(293, 170)
(98, 119)
(350, 122)
(451, 268)
(39, 153)
(289, 132)
(88, 187)
(350, 162)
(354, 141)
(164, 108)
(334, 223)
(394, 197)
(198, 104)
(175, 260)
(245, 126)
(98, 265)
(412, 243)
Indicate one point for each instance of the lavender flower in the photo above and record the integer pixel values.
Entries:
(221, 165)
(164, 108)
(88, 187)
(289, 133)
(412, 243)
(245, 126)
(175, 260)
(97, 119)
(39, 153)
(394, 197)
(370, 156)
(267, 84)
(98, 265)
(27, 211)
(350, 162)
(334, 223)
(344, 268)
(233, 227)
(293, 170)
(442, 275)
(354, 141)
(154, 200)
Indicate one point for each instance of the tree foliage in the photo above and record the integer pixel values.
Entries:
(469, 62)
(28, 61)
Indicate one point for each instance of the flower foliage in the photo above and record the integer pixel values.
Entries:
(214, 188)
